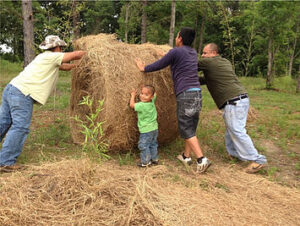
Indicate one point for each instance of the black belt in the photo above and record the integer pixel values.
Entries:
(232, 101)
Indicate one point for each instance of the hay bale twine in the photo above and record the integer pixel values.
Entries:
(109, 71)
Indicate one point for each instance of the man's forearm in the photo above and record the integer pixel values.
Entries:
(67, 67)
(160, 64)
(76, 55)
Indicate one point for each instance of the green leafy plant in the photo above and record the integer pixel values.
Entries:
(94, 137)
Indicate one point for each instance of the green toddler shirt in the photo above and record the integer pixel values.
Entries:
(147, 116)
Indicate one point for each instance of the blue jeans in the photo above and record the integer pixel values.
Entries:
(237, 141)
(148, 146)
(15, 119)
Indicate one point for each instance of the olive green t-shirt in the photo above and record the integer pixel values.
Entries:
(220, 79)
(147, 116)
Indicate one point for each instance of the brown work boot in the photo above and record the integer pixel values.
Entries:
(254, 167)
(12, 168)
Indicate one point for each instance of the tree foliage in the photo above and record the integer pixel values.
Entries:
(260, 38)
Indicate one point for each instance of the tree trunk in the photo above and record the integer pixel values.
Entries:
(293, 54)
(269, 82)
(75, 20)
(201, 34)
(144, 23)
(172, 24)
(249, 52)
(28, 31)
(231, 39)
(126, 20)
(298, 84)
(196, 29)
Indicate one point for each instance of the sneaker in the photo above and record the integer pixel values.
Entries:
(254, 167)
(144, 165)
(154, 162)
(203, 166)
(186, 161)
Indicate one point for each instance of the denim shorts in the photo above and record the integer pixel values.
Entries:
(189, 105)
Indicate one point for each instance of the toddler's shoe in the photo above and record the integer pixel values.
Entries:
(154, 162)
(144, 165)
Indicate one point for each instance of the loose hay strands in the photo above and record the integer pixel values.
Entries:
(109, 71)
(79, 192)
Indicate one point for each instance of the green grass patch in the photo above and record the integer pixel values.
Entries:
(9, 69)
(275, 117)
(127, 159)
(223, 187)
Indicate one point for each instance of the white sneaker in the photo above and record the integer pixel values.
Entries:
(203, 166)
(144, 165)
(186, 161)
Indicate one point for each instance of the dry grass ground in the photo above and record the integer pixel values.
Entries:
(56, 191)
(79, 192)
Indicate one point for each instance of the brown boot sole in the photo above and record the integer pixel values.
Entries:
(254, 169)
(9, 169)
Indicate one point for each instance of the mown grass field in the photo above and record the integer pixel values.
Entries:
(273, 124)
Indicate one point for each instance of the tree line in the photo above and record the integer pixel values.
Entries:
(260, 38)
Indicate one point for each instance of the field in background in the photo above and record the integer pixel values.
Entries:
(273, 124)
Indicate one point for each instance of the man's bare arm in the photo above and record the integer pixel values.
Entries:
(67, 67)
(76, 55)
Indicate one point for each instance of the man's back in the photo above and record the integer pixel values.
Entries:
(220, 79)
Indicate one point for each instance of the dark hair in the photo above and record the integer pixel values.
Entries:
(52, 49)
(151, 88)
(188, 35)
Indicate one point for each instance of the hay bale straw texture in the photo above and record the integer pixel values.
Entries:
(109, 71)
(81, 192)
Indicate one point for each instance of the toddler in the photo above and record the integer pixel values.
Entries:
(147, 124)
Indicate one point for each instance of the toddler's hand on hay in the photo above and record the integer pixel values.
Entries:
(140, 64)
(132, 98)
(133, 92)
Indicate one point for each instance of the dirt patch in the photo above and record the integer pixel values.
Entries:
(41, 119)
(253, 114)
(295, 148)
(83, 193)
(282, 163)
(270, 147)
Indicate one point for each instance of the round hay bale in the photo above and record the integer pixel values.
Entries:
(108, 71)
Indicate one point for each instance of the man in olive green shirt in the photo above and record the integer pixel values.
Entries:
(230, 96)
